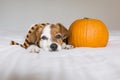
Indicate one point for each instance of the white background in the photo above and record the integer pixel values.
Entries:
(18, 15)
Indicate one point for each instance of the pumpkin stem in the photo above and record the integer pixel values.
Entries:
(86, 18)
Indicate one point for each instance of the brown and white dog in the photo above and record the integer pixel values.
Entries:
(50, 37)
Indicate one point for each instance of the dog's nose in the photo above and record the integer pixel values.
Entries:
(53, 46)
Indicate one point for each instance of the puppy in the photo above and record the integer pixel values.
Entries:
(50, 37)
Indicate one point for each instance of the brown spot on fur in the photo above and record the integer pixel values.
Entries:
(12, 42)
(17, 43)
(27, 36)
(47, 23)
(25, 45)
(36, 24)
(26, 41)
(21, 45)
(32, 28)
(29, 32)
(54, 31)
(43, 24)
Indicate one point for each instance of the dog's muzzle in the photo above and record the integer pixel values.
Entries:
(53, 46)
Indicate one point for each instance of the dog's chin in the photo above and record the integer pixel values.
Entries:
(53, 50)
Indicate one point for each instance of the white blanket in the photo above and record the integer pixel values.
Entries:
(81, 63)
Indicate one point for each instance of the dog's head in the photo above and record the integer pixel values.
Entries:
(52, 37)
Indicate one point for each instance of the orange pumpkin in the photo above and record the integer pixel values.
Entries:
(88, 32)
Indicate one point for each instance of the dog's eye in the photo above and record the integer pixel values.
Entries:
(44, 38)
(58, 36)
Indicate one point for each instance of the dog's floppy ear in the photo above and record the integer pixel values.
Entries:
(63, 31)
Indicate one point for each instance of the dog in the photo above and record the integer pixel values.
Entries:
(49, 37)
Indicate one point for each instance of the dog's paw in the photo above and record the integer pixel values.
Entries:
(34, 49)
(64, 46)
(69, 47)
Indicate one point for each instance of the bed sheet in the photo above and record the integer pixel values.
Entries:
(81, 63)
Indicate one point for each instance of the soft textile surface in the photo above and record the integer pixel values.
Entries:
(17, 63)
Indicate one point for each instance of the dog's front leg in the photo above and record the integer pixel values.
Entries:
(66, 46)
(33, 49)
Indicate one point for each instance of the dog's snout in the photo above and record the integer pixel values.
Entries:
(53, 46)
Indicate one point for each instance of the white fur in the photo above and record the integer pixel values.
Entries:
(45, 44)
(46, 31)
